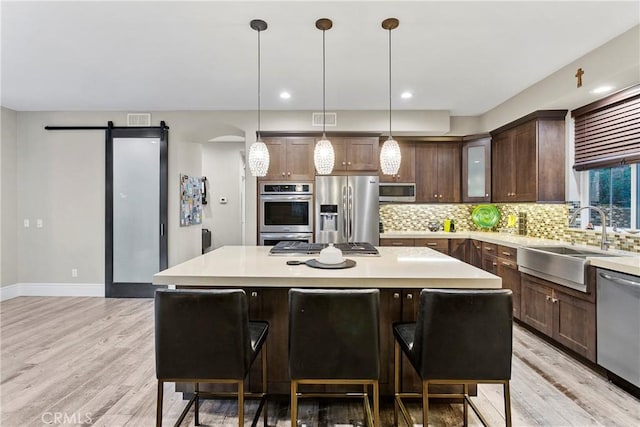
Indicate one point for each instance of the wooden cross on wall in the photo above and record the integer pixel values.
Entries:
(578, 76)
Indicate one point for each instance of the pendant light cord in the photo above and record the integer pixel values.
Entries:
(390, 137)
(324, 115)
(259, 85)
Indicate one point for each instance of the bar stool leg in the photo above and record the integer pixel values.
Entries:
(197, 404)
(264, 384)
(507, 403)
(294, 403)
(376, 404)
(396, 381)
(465, 407)
(241, 403)
(159, 404)
(425, 403)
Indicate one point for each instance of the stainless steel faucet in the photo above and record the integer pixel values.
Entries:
(604, 243)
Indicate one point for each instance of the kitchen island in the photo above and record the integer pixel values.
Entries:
(400, 273)
(252, 266)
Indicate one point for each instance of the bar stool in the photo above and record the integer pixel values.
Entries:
(205, 336)
(460, 337)
(334, 338)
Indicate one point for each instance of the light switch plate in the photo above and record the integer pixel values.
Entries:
(39, 223)
(26, 223)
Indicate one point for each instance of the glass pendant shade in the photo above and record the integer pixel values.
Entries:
(324, 156)
(390, 157)
(258, 159)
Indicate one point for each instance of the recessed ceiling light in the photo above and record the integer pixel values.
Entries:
(406, 95)
(602, 89)
(285, 95)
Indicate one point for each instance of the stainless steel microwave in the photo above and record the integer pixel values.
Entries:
(397, 192)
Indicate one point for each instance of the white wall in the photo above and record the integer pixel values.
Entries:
(8, 198)
(221, 164)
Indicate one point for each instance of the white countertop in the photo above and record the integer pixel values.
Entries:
(252, 266)
(627, 262)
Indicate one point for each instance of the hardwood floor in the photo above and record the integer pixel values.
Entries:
(90, 361)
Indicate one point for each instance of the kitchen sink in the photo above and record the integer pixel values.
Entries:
(562, 264)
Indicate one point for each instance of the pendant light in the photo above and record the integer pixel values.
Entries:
(258, 152)
(390, 156)
(323, 154)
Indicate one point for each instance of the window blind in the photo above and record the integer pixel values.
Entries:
(607, 132)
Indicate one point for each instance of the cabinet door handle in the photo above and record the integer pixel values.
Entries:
(554, 300)
(441, 196)
(486, 195)
(396, 295)
(409, 296)
(344, 163)
(506, 263)
(283, 174)
(289, 173)
(489, 249)
(432, 244)
(348, 163)
(548, 297)
(494, 264)
(397, 244)
(254, 294)
(506, 253)
(435, 195)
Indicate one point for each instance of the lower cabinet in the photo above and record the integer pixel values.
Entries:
(475, 253)
(567, 316)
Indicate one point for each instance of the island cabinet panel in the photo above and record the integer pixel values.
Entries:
(528, 158)
(565, 315)
(507, 269)
(407, 171)
(290, 159)
(438, 172)
(355, 154)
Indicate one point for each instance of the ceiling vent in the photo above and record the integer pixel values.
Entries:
(138, 119)
(331, 119)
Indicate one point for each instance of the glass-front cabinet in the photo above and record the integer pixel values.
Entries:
(476, 169)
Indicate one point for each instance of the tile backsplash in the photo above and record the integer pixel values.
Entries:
(547, 221)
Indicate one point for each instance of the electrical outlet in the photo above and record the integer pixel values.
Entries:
(39, 223)
(74, 272)
(26, 223)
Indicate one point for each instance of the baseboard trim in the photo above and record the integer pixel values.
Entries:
(52, 290)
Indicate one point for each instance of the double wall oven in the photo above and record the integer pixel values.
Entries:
(285, 212)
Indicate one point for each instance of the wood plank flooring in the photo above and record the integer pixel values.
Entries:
(90, 361)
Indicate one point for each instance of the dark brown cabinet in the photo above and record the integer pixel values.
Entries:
(290, 159)
(507, 269)
(407, 171)
(459, 249)
(476, 169)
(397, 242)
(355, 154)
(565, 315)
(528, 159)
(475, 253)
(438, 172)
(440, 245)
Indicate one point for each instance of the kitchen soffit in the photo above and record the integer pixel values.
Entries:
(465, 57)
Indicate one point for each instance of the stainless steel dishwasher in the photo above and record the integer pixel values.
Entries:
(618, 319)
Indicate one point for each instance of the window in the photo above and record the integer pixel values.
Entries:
(610, 189)
(615, 190)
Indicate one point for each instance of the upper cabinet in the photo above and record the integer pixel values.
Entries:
(528, 159)
(355, 153)
(407, 171)
(437, 172)
(290, 158)
(476, 169)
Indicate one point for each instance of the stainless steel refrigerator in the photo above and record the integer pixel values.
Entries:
(347, 209)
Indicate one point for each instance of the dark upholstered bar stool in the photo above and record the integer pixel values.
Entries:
(334, 338)
(460, 337)
(205, 336)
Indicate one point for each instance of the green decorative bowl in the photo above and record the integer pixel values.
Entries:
(485, 216)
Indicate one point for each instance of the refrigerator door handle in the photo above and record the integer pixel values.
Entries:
(350, 237)
(344, 212)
